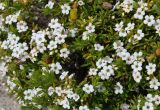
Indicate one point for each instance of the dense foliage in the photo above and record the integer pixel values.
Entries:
(81, 54)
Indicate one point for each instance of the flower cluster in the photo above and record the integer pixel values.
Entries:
(64, 96)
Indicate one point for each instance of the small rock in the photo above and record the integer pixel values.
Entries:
(107, 5)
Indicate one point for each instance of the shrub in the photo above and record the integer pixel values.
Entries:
(81, 54)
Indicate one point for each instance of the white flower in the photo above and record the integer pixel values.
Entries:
(58, 30)
(104, 75)
(50, 4)
(34, 52)
(54, 24)
(121, 52)
(81, 3)
(138, 105)
(64, 52)
(143, 5)
(28, 94)
(56, 67)
(71, 1)
(88, 88)
(16, 53)
(148, 106)
(85, 107)
(39, 37)
(52, 45)
(63, 75)
(41, 48)
(118, 88)
(122, 33)
(76, 97)
(14, 17)
(11, 19)
(73, 32)
(98, 47)
(50, 91)
(149, 20)
(8, 19)
(158, 31)
(139, 14)
(109, 70)
(139, 35)
(60, 39)
(65, 103)
(130, 26)
(5, 44)
(107, 59)
(137, 76)
(10, 83)
(90, 28)
(97, 108)
(154, 84)
(157, 99)
(58, 91)
(22, 46)
(100, 63)
(2, 6)
(149, 98)
(69, 93)
(117, 44)
(127, 5)
(137, 66)
(85, 35)
(124, 55)
(92, 71)
(24, 56)
(3, 69)
(157, 24)
(65, 9)
(151, 68)
(19, 51)
(124, 106)
(36, 91)
(137, 55)
(22, 26)
(130, 60)
(119, 26)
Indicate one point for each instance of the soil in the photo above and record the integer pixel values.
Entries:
(7, 102)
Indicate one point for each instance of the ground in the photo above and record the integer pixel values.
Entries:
(7, 102)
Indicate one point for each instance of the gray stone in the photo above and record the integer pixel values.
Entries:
(7, 102)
